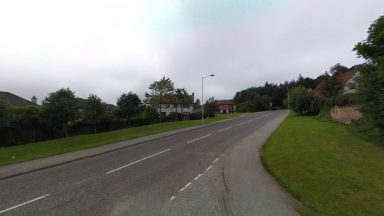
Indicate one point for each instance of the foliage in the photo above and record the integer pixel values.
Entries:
(372, 49)
(304, 102)
(159, 89)
(245, 107)
(129, 106)
(211, 107)
(344, 99)
(4, 114)
(25, 117)
(94, 111)
(60, 108)
(371, 79)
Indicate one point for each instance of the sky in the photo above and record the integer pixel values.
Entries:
(110, 47)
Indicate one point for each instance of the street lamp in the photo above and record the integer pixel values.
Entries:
(202, 97)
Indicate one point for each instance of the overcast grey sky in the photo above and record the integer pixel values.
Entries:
(110, 47)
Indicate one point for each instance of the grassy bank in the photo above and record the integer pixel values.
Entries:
(326, 167)
(14, 154)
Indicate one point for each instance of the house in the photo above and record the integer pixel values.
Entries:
(226, 106)
(172, 104)
(348, 81)
(14, 100)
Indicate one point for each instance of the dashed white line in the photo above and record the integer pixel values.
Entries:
(198, 176)
(222, 155)
(210, 167)
(191, 141)
(224, 129)
(172, 198)
(25, 203)
(215, 160)
(241, 123)
(130, 164)
(250, 120)
(185, 187)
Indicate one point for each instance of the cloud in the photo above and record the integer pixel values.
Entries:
(111, 47)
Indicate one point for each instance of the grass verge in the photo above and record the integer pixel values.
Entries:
(326, 167)
(19, 153)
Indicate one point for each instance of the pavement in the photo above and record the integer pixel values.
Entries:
(212, 170)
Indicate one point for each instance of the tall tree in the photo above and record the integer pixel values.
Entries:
(60, 108)
(158, 90)
(211, 106)
(4, 114)
(94, 111)
(371, 80)
(129, 106)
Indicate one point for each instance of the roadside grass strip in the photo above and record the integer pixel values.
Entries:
(31, 151)
(326, 167)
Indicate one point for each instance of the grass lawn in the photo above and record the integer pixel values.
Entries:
(14, 154)
(327, 168)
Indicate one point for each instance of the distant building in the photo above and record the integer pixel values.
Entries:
(14, 100)
(172, 104)
(348, 80)
(226, 106)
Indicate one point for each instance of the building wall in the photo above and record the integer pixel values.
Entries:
(171, 108)
(346, 114)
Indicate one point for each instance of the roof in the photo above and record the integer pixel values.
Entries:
(225, 102)
(14, 100)
(345, 77)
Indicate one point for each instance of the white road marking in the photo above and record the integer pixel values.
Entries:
(172, 198)
(215, 160)
(198, 176)
(25, 203)
(109, 172)
(222, 155)
(250, 120)
(191, 141)
(185, 187)
(224, 129)
(241, 123)
(208, 168)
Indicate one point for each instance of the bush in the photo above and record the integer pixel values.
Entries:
(304, 102)
(245, 107)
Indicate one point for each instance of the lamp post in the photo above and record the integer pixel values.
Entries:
(202, 97)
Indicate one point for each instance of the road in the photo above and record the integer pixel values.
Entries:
(175, 175)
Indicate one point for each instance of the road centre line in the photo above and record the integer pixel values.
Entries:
(215, 160)
(208, 168)
(198, 176)
(224, 129)
(122, 167)
(25, 203)
(172, 198)
(241, 123)
(191, 141)
(185, 187)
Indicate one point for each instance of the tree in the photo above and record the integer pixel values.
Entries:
(158, 90)
(129, 106)
(94, 111)
(60, 108)
(338, 69)
(182, 97)
(197, 104)
(303, 101)
(372, 49)
(4, 114)
(210, 106)
(370, 89)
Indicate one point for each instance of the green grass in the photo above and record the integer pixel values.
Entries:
(327, 168)
(19, 153)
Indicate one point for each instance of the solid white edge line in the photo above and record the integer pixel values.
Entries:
(25, 203)
(208, 168)
(224, 129)
(122, 167)
(191, 141)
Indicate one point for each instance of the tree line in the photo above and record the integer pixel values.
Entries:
(63, 114)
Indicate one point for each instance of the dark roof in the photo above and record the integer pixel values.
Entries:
(14, 100)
